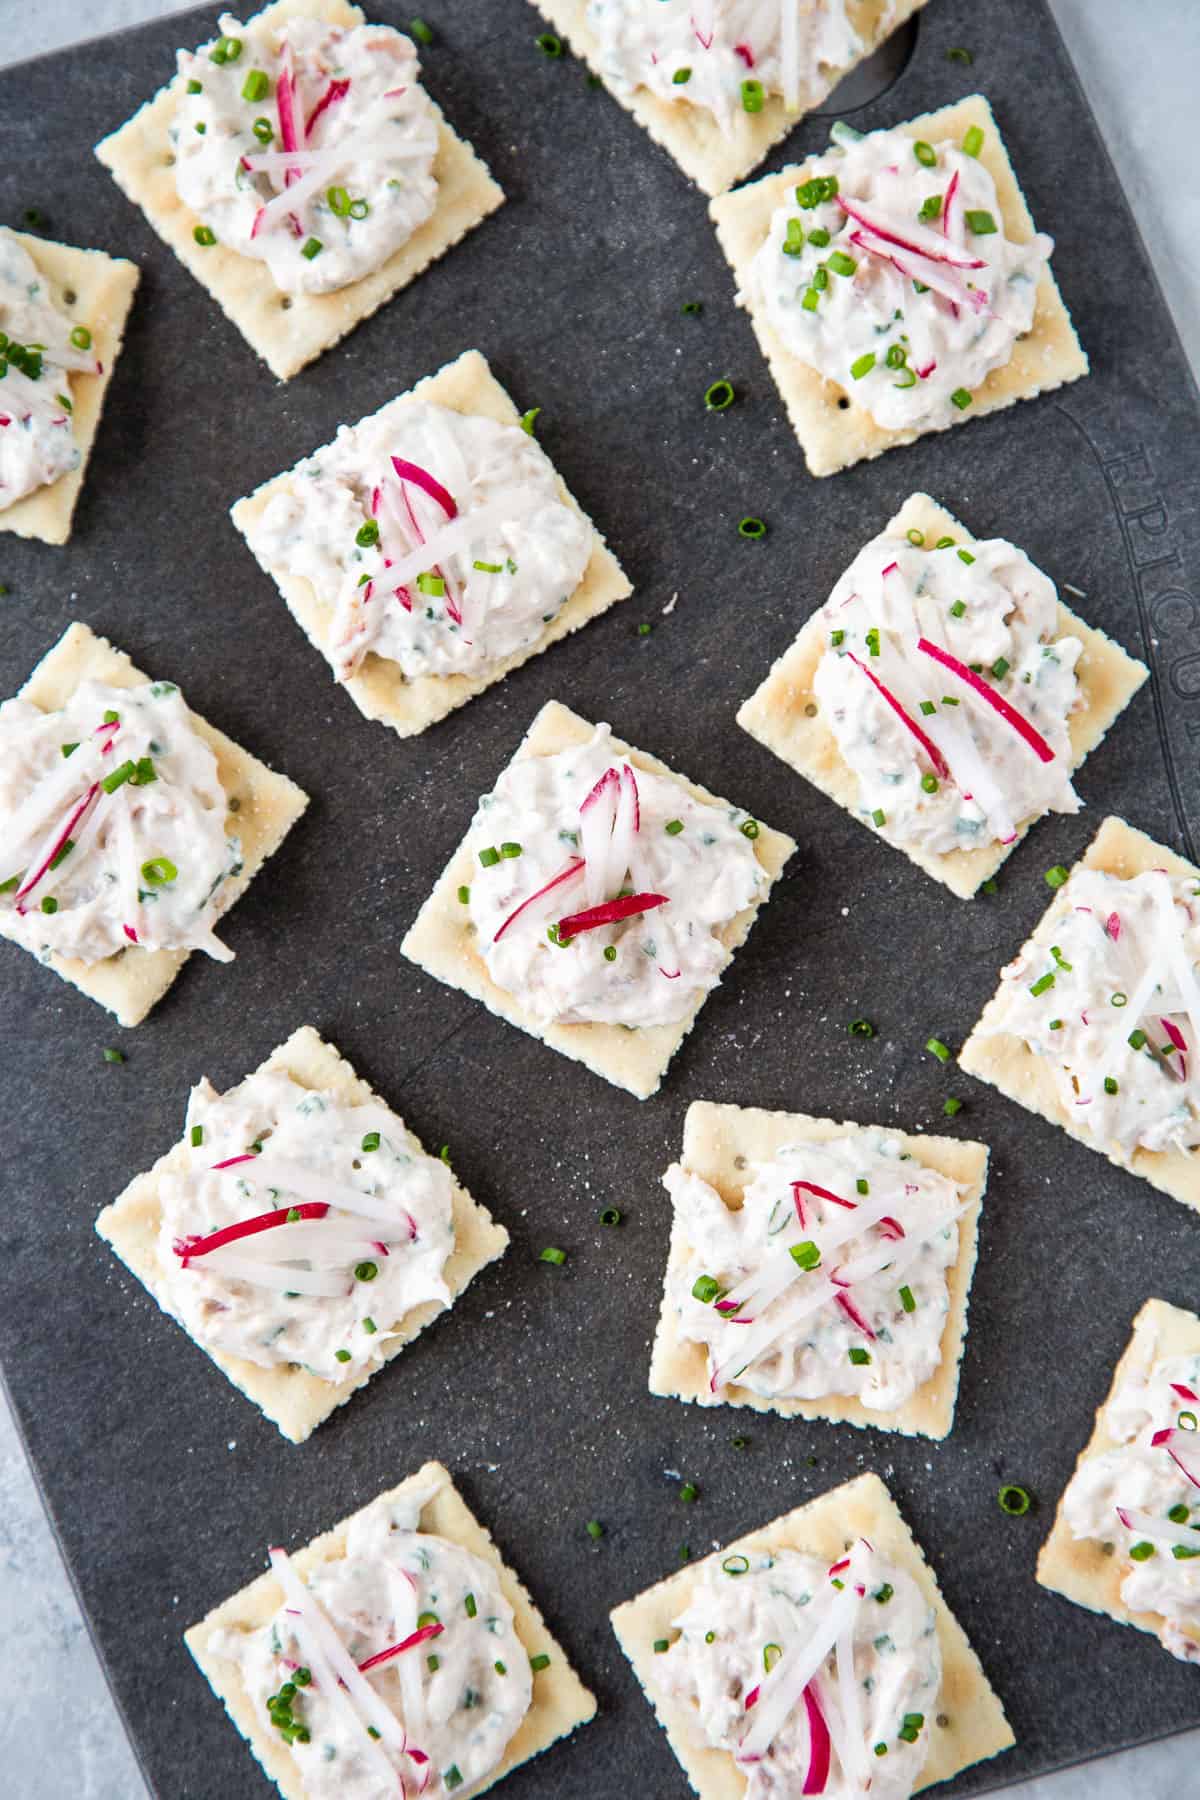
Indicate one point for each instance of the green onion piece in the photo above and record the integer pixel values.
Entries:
(858, 1356)
(312, 249)
(433, 585)
(194, 87)
(958, 609)
(119, 776)
(931, 207)
(962, 399)
(771, 1655)
(862, 1185)
(929, 783)
(527, 419)
(417, 28)
(342, 1355)
(469, 1604)
(861, 1028)
(489, 858)
(841, 264)
(925, 154)
(548, 44)
(610, 953)
(452, 1777)
(1110, 1086)
(339, 201)
(964, 556)
(862, 365)
(806, 1255)
(705, 1288)
(673, 827)
(936, 1048)
(552, 1254)
(660, 1645)
(1014, 1500)
(740, 1443)
(263, 130)
(896, 359)
(644, 629)
(928, 707)
(910, 1730)
(879, 817)
(749, 828)
(952, 1107)
(1000, 668)
(681, 77)
(737, 1564)
(1043, 984)
(197, 1136)
(691, 309)
(818, 236)
(811, 300)
(689, 1493)
(510, 850)
(257, 85)
(610, 1215)
(81, 337)
(752, 96)
(114, 1056)
(204, 235)
(836, 638)
(1056, 876)
(1137, 1039)
(158, 871)
(490, 568)
(370, 1142)
(793, 244)
(1179, 1515)
(538, 1663)
(464, 895)
(981, 223)
(957, 54)
(972, 141)
(1141, 1552)
(6, 887)
(910, 379)
(909, 1304)
(719, 396)
(752, 528)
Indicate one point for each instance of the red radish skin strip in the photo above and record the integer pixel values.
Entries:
(819, 1745)
(189, 1247)
(32, 881)
(1185, 1393)
(451, 604)
(927, 371)
(934, 274)
(130, 933)
(337, 90)
(940, 766)
(852, 1313)
(572, 870)
(231, 1162)
(1113, 926)
(746, 54)
(1008, 713)
(409, 1643)
(410, 471)
(609, 912)
(1173, 1032)
(921, 243)
(810, 1187)
(1162, 1440)
(607, 780)
(948, 202)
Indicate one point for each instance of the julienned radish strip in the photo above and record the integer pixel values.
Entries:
(414, 1638)
(819, 1745)
(783, 1687)
(609, 912)
(939, 276)
(940, 765)
(810, 1187)
(1166, 1440)
(851, 1311)
(1147, 1525)
(189, 1247)
(50, 851)
(1008, 713)
(917, 240)
(337, 90)
(411, 471)
(571, 873)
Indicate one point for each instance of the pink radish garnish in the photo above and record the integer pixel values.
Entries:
(926, 742)
(189, 1247)
(421, 1636)
(1008, 713)
(914, 239)
(573, 869)
(609, 912)
(810, 1187)
(818, 1745)
(852, 1313)
(410, 471)
(337, 90)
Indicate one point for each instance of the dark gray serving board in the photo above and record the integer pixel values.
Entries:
(164, 1483)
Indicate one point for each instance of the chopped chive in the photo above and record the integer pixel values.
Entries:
(936, 1048)
(862, 365)
(879, 817)
(952, 1107)
(469, 1604)
(464, 895)
(931, 207)
(836, 638)
(489, 858)
(957, 54)
(964, 556)
(610, 1215)
(510, 850)
(736, 1564)
(818, 236)
(370, 1141)
(689, 1493)
(417, 28)
(929, 783)
(673, 827)
(1137, 1039)
(157, 872)
(910, 1730)
(705, 1288)
(1110, 1085)
(552, 1254)
(369, 1326)
(1014, 1500)
(749, 828)
(793, 244)
(204, 234)
(194, 87)
(925, 154)
(81, 337)
(1056, 876)
(928, 707)
(594, 1529)
(1043, 983)
(119, 776)
(527, 419)
(1000, 668)
(114, 1056)
(858, 1356)
(538, 1663)
(197, 1136)
(861, 1028)
(981, 223)
(909, 1304)
(489, 568)
(342, 1355)
(841, 264)
(548, 44)
(312, 249)
(972, 141)
(256, 86)
(263, 130)
(896, 358)
(961, 398)
(719, 395)
(691, 309)
(752, 96)
(681, 77)
(811, 300)
(806, 1255)
(862, 1185)
(752, 528)
(1179, 1514)
(661, 1645)
(431, 584)
(1141, 1552)
(610, 953)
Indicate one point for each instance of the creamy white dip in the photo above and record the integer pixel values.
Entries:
(454, 1699)
(941, 768)
(480, 583)
(333, 115)
(723, 55)
(832, 1299)
(1122, 965)
(769, 1628)
(369, 1269)
(538, 859)
(37, 357)
(843, 287)
(113, 825)
(1159, 1517)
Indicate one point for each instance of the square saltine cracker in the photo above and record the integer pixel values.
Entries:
(380, 690)
(834, 431)
(721, 1143)
(969, 1726)
(290, 330)
(783, 712)
(1004, 1060)
(264, 806)
(289, 1396)
(440, 939)
(1086, 1570)
(89, 288)
(560, 1701)
(690, 134)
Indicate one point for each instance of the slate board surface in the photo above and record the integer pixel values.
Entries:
(164, 1483)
